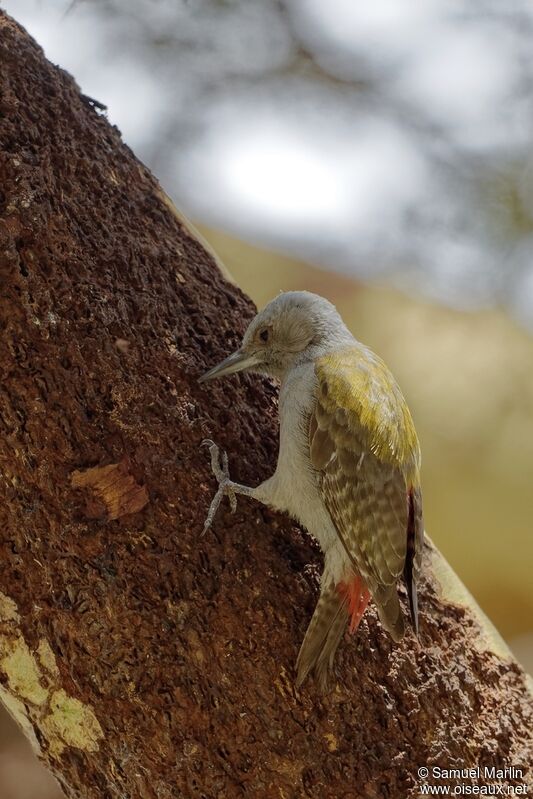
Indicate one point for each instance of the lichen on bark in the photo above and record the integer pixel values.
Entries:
(144, 660)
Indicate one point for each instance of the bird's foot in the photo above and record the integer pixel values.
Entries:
(220, 469)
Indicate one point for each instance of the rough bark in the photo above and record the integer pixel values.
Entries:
(142, 659)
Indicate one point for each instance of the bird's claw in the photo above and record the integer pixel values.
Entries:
(220, 469)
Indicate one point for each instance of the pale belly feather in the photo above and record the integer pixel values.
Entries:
(294, 486)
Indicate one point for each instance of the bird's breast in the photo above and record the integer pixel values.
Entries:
(295, 482)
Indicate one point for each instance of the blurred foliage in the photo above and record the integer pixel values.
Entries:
(389, 139)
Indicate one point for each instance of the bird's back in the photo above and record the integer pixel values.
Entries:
(364, 452)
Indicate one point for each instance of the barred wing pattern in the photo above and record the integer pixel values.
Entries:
(364, 446)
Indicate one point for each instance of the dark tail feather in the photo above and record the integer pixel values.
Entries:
(408, 574)
(390, 612)
(324, 663)
(413, 601)
(322, 637)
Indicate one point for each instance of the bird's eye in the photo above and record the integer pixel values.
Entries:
(263, 335)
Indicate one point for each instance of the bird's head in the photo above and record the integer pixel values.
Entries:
(293, 327)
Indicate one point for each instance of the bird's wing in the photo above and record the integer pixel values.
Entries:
(364, 446)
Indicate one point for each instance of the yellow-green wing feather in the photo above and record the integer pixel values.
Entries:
(358, 383)
(363, 442)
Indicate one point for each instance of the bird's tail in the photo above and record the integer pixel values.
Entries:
(323, 636)
(390, 612)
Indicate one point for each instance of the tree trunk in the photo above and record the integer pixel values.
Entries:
(141, 659)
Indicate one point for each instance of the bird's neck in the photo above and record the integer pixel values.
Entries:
(339, 339)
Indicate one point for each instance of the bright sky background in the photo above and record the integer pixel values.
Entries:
(385, 139)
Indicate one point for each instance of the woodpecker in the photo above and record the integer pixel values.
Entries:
(348, 467)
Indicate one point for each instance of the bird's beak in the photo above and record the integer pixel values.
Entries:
(235, 362)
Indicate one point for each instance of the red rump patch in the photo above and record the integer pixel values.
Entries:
(358, 597)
